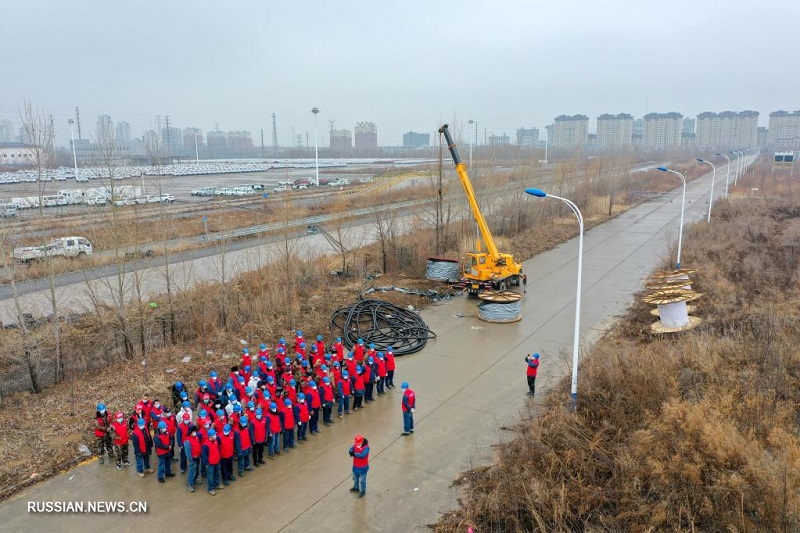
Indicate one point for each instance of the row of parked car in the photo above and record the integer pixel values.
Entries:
(241, 190)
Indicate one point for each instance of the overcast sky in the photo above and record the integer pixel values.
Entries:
(405, 65)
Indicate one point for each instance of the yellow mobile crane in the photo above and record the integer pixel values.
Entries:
(489, 270)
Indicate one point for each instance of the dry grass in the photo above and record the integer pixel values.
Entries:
(692, 432)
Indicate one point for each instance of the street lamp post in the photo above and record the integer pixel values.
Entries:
(576, 336)
(727, 172)
(713, 177)
(738, 166)
(683, 203)
(315, 110)
(74, 154)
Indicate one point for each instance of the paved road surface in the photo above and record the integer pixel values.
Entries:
(470, 384)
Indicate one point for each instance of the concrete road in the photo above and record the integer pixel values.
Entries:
(470, 384)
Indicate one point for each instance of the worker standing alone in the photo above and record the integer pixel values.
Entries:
(408, 404)
(533, 368)
(359, 451)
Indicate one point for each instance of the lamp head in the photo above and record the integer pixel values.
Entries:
(701, 160)
(536, 192)
(663, 169)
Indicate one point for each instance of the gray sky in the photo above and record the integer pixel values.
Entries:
(405, 65)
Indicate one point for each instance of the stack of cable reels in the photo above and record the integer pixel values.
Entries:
(499, 306)
(670, 292)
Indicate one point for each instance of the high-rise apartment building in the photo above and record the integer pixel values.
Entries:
(412, 139)
(192, 136)
(570, 131)
(217, 142)
(498, 140)
(105, 128)
(662, 130)
(528, 137)
(727, 130)
(171, 138)
(614, 131)
(123, 133)
(240, 143)
(366, 135)
(6, 131)
(784, 130)
(341, 140)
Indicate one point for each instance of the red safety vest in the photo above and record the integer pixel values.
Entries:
(288, 418)
(360, 462)
(226, 445)
(533, 369)
(381, 368)
(259, 429)
(345, 386)
(213, 452)
(315, 401)
(121, 430)
(138, 434)
(389, 360)
(327, 393)
(170, 422)
(359, 384)
(244, 438)
(165, 440)
(412, 400)
(103, 421)
(303, 412)
(195, 441)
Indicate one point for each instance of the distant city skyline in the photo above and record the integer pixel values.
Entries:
(505, 66)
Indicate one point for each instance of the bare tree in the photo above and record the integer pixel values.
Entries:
(37, 135)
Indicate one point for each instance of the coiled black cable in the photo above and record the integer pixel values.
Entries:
(380, 323)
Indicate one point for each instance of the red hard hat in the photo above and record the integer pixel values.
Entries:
(119, 414)
(206, 396)
(139, 406)
(359, 439)
(186, 416)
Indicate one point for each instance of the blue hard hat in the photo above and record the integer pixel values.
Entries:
(178, 385)
(328, 356)
(184, 396)
(273, 405)
(256, 373)
(140, 422)
(262, 346)
(101, 406)
(251, 404)
(372, 345)
(370, 359)
(326, 380)
(312, 383)
(263, 358)
(248, 391)
(358, 368)
(243, 420)
(185, 404)
(388, 348)
(299, 332)
(203, 413)
(536, 356)
(229, 386)
(281, 349)
(282, 341)
(319, 337)
(226, 428)
(269, 364)
(345, 373)
(245, 351)
(162, 425)
(335, 364)
(325, 368)
(202, 383)
(212, 374)
(220, 412)
(212, 432)
(292, 383)
(266, 394)
(302, 345)
(287, 361)
(305, 363)
(247, 368)
(301, 396)
(270, 379)
(313, 347)
(240, 379)
(259, 411)
(360, 341)
(381, 355)
(287, 401)
(404, 385)
(338, 339)
(237, 408)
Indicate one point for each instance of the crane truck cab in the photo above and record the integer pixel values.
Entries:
(489, 269)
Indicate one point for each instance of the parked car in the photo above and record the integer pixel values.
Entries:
(204, 191)
(9, 211)
(166, 198)
(280, 188)
(225, 191)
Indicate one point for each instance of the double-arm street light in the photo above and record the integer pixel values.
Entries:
(576, 336)
(74, 154)
(713, 177)
(683, 202)
(315, 110)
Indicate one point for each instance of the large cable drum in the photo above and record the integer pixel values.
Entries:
(499, 306)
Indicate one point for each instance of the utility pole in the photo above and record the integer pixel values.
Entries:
(78, 121)
(274, 137)
(168, 137)
(263, 153)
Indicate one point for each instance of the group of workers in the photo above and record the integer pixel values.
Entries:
(269, 402)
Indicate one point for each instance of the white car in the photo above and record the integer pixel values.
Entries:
(280, 188)
(225, 191)
(166, 198)
(96, 200)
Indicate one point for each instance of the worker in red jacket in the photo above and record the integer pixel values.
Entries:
(343, 393)
(289, 422)
(163, 444)
(359, 350)
(119, 437)
(138, 414)
(359, 388)
(533, 368)
(389, 368)
(102, 432)
(194, 452)
(259, 434)
(274, 431)
(327, 401)
(338, 349)
(212, 458)
(381, 368)
(243, 446)
(315, 403)
(181, 433)
(408, 404)
(172, 428)
(359, 451)
(226, 452)
(302, 417)
(142, 447)
(298, 339)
